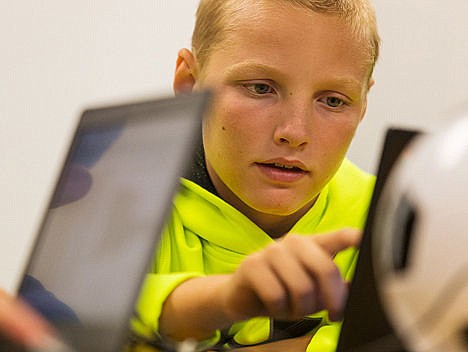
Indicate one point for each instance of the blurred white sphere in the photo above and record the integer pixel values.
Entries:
(420, 250)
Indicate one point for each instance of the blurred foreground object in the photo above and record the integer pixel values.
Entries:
(421, 247)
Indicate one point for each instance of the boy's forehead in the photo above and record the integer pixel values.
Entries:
(257, 16)
(273, 19)
(296, 36)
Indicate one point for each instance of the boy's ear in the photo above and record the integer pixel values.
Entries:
(185, 72)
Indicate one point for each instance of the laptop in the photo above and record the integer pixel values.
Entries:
(101, 229)
(365, 325)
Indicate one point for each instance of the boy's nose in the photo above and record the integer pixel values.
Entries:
(294, 127)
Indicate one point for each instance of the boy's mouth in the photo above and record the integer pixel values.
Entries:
(285, 164)
(282, 167)
(284, 172)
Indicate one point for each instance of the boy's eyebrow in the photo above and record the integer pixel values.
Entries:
(250, 66)
(348, 82)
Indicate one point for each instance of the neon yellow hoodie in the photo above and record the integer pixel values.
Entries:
(205, 235)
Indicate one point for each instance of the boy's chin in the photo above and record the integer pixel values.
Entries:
(281, 206)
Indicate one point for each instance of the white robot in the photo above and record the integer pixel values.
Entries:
(420, 250)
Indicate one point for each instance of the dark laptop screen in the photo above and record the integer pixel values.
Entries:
(365, 326)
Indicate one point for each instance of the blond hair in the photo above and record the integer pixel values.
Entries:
(216, 18)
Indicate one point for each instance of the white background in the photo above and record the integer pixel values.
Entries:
(59, 57)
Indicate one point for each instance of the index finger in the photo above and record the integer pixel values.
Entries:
(336, 241)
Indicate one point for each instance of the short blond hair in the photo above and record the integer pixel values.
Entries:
(216, 18)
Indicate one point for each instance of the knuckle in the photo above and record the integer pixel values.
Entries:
(305, 293)
(302, 302)
(294, 239)
(303, 298)
(274, 248)
(275, 302)
(252, 260)
(330, 271)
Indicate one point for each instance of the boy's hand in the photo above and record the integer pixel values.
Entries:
(21, 325)
(291, 278)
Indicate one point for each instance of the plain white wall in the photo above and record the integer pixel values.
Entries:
(422, 75)
(57, 58)
(60, 57)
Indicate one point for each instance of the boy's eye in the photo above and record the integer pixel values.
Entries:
(259, 88)
(334, 102)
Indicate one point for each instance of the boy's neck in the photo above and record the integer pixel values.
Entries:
(276, 226)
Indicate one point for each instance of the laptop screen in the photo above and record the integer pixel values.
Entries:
(365, 326)
(107, 211)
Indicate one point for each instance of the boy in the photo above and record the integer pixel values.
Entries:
(250, 253)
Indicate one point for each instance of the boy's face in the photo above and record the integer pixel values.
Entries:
(291, 91)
